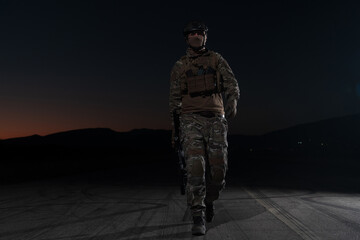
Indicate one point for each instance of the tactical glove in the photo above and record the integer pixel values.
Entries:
(230, 108)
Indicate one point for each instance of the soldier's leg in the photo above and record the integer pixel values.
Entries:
(194, 150)
(217, 159)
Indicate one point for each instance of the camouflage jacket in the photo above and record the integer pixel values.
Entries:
(183, 103)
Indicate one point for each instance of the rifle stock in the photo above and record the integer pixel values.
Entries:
(179, 154)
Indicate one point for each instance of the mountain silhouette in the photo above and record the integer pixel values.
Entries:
(319, 150)
(340, 134)
(95, 137)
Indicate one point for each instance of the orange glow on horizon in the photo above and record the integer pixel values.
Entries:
(22, 125)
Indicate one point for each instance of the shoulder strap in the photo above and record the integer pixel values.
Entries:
(184, 59)
(214, 59)
(185, 62)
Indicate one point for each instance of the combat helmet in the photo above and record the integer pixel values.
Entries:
(194, 26)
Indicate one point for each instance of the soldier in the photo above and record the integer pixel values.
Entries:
(197, 82)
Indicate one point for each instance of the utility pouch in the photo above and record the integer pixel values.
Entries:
(201, 77)
(204, 84)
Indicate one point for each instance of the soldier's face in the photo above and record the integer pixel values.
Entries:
(196, 39)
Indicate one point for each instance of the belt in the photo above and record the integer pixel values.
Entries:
(209, 114)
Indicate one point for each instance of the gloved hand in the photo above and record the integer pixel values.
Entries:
(230, 109)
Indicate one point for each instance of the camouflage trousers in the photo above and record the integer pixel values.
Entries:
(204, 141)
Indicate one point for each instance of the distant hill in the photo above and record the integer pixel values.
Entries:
(340, 133)
(95, 137)
(149, 151)
(82, 150)
(336, 134)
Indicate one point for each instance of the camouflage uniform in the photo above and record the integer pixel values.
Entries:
(203, 128)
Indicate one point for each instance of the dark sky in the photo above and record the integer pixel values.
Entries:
(78, 64)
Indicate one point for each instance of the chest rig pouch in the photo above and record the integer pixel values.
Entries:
(201, 76)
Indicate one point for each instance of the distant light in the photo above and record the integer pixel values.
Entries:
(322, 144)
(250, 149)
(300, 142)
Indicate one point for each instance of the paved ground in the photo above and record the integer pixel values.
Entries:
(78, 208)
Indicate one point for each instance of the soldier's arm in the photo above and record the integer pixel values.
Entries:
(231, 87)
(175, 91)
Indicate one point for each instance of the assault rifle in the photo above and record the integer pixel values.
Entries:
(178, 154)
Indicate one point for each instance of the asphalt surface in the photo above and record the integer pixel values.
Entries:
(84, 207)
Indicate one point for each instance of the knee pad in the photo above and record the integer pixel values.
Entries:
(195, 166)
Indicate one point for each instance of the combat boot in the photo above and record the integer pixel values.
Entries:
(209, 212)
(199, 226)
